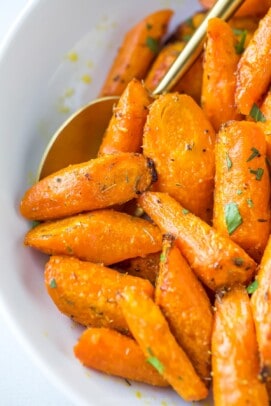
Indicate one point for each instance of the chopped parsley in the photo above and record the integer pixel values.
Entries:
(239, 192)
(229, 161)
(250, 203)
(152, 44)
(232, 217)
(256, 114)
(258, 172)
(162, 257)
(252, 287)
(240, 46)
(155, 362)
(238, 261)
(53, 284)
(185, 211)
(255, 154)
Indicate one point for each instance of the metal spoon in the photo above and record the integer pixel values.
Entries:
(78, 139)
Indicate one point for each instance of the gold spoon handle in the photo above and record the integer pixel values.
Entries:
(223, 9)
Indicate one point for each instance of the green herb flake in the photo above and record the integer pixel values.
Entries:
(185, 211)
(35, 223)
(238, 261)
(239, 192)
(255, 154)
(258, 172)
(152, 44)
(252, 287)
(186, 37)
(240, 46)
(229, 161)
(256, 114)
(69, 249)
(155, 362)
(250, 203)
(53, 284)
(149, 26)
(162, 258)
(232, 216)
(190, 22)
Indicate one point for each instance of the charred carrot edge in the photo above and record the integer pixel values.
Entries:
(125, 130)
(115, 354)
(138, 49)
(96, 184)
(242, 186)
(87, 292)
(219, 79)
(261, 307)
(185, 306)
(159, 346)
(102, 236)
(249, 8)
(216, 259)
(180, 141)
(253, 72)
(235, 373)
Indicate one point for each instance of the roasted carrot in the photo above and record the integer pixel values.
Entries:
(96, 184)
(215, 258)
(138, 49)
(242, 186)
(254, 68)
(125, 130)
(249, 8)
(146, 267)
(261, 307)
(191, 82)
(185, 306)
(87, 292)
(235, 360)
(219, 80)
(265, 122)
(162, 63)
(115, 354)
(180, 141)
(102, 236)
(151, 331)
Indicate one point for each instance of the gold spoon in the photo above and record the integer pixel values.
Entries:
(78, 139)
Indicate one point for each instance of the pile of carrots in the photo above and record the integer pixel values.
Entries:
(161, 245)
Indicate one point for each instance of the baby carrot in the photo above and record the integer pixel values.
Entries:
(185, 306)
(254, 72)
(261, 307)
(242, 186)
(102, 236)
(216, 259)
(249, 8)
(159, 346)
(146, 267)
(125, 130)
(180, 141)
(115, 354)
(235, 361)
(95, 184)
(87, 292)
(138, 49)
(219, 79)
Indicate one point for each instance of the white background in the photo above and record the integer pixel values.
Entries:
(21, 383)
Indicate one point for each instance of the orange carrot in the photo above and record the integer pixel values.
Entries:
(249, 8)
(180, 141)
(159, 346)
(191, 82)
(87, 292)
(146, 267)
(115, 354)
(219, 80)
(103, 236)
(242, 186)
(186, 307)
(125, 130)
(261, 307)
(96, 184)
(235, 357)
(215, 258)
(254, 72)
(138, 49)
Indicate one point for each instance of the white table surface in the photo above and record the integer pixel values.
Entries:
(21, 382)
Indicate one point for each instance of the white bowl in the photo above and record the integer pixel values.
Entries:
(41, 84)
